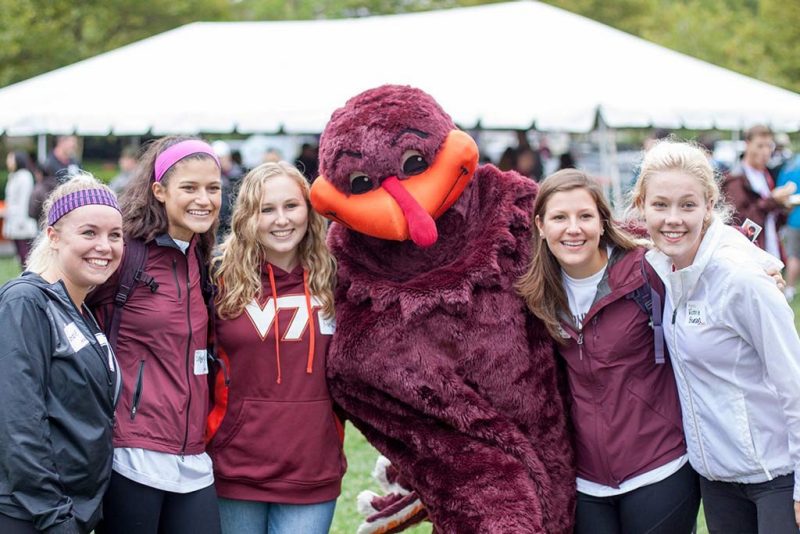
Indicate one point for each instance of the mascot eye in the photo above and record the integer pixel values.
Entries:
(413, 163)
(360, 183)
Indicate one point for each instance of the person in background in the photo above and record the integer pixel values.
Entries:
(751, 190)
(231, 175)
(589, 284)
(17, 225)
(163, 480)
(60, 380)
(733, 345)
(60, 163)
(791, 231)
(127, 165)
(274, 437)
(308, 161)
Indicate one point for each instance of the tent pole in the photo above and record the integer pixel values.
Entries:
(41, 148)
(609, 160)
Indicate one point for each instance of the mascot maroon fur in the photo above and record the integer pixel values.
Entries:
(435, 359)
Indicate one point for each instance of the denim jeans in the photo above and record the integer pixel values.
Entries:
(251, 517)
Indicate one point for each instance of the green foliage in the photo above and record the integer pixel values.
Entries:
(40, 35)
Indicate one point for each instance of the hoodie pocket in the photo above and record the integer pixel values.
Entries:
(291, 441)
(137, 392)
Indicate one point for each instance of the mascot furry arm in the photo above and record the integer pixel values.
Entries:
(435, 359)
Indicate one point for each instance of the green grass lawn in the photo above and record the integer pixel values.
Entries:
(360, 455)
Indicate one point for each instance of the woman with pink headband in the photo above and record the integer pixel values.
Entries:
(60, 380)
(162, 479)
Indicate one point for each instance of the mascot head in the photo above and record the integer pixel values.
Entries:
(392, 162)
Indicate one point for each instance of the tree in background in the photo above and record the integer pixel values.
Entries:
(40, 35)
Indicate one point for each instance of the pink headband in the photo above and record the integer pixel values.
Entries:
(76, 199)
(178, 151)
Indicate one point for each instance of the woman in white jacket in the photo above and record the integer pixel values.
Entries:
(17, 226)
(733, 344)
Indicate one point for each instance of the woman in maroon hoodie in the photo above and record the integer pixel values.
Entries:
(589, 284)
(274, 438)
(163, 480)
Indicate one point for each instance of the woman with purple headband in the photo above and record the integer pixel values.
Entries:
(162, 479)
(60, 380)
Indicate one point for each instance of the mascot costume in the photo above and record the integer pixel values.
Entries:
(435, 359)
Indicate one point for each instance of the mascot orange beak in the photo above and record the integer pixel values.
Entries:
(403, 209)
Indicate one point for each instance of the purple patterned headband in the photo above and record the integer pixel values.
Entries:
(178, 151)
(75, 200)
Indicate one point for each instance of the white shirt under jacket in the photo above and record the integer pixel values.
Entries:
(736, 357)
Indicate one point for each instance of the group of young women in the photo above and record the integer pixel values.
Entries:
(139, 376)
(197, 402)
(725, 400)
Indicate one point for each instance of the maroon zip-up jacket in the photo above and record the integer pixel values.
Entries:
(164, 400)
(624, 406)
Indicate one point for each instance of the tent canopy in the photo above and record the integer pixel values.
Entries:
(513, 65)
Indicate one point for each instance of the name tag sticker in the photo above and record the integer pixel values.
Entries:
(201, 362)
(76, 340)
(327, 326)
(696, 313)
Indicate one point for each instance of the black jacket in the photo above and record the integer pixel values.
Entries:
(58, 388)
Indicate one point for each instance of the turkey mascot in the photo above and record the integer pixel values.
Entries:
(435, 359)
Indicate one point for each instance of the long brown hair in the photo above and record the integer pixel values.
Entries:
(542, 286)
(237, 271)
(143, 216)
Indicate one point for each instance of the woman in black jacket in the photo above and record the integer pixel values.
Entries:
(59, 380)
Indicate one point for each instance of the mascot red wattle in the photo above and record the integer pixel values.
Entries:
(435, 359)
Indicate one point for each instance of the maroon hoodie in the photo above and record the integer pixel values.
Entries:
(273, 433)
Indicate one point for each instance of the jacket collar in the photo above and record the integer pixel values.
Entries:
(718, 236)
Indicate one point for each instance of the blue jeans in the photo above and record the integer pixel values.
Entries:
(251, 517)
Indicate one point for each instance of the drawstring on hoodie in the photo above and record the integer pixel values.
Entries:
(307, 292)
(277, 328)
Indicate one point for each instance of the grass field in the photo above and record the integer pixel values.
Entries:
(360, 455)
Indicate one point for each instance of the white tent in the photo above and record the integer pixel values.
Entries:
(510, 65)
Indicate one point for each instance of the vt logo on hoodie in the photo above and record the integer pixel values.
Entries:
(262, 317)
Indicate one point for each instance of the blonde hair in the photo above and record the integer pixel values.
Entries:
(42, 256)
(678, 156)
(237, 270)
(541, 286)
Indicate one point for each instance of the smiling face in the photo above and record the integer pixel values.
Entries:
(283, 221)
(88, 244)
(191, 197)
(676, 211)
(572, 227)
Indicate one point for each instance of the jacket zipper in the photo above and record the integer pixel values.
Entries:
(580, 344)
(175, 275)
(137, 393)
(689, 393)
(188, 355)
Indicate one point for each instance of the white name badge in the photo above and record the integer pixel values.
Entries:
(76, 340)
(696, 313)
(327, 327)
(201, 362)
(101, 338)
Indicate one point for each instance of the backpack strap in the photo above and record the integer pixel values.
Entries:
(209, 294)
(131, 272)
(656, 316)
